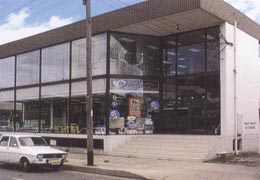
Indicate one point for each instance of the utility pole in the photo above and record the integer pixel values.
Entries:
(89, 101)
(235, 88)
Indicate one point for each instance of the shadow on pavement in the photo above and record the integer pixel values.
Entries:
(247, 159)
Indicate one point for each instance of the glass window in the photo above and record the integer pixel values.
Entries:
(32, 141)
(134, 55)
(4, 141)
(191, 82)
(213, 103)
(99, 56)
(191, 53)
(79, 58)
(13, 142)
(54, 109)
(78, 106)
(27, 109)
(6, 110)
(134, 106)
(169, 56)
(169, 119)
(28, 65)
(169, 94)
(78, 123)
(213, 54)
(55, 63)
(7, 68)
(122, 55)
(190, 103)
(213, 81)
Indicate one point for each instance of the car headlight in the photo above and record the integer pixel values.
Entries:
(40, 157)
(64, 156)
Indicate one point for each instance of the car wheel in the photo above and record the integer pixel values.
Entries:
(25, 165)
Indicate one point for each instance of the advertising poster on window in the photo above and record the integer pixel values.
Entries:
(114, 114)
(135, 107)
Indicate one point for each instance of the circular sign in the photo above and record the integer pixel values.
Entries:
(154, 105)
(119, 83)
(114, 114)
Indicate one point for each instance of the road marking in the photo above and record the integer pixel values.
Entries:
(17, 179)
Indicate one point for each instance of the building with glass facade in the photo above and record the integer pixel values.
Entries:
(159, 67)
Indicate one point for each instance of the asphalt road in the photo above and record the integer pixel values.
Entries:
(11, 172)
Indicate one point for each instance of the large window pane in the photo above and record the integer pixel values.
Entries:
(213, 81)
(79, 58)
(134, 55)
(54, 111)
(134, 106)
(7, 68)
(213, 104)
(28, 68)
(191, 53)
(213, 58)
(55, 63)
(6, 110)
(99, 56)
(78, 106)
(191, 82)
(169, 56)
(190, 104)
(27, 110)
(78, 122)
(169, 119)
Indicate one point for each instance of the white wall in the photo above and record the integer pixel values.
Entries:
(248, 80)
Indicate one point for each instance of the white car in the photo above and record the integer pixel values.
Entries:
(29, 150)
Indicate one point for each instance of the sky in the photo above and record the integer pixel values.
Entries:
(23, 18)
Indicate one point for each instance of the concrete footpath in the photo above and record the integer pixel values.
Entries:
(156, 169)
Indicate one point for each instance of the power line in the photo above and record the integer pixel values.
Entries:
(38, 10)
(19, 8)
(41, 11)
(48, 8)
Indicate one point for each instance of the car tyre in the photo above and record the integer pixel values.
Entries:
(25, 165)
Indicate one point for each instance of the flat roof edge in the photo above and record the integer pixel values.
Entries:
(229, 14)
(119, 18)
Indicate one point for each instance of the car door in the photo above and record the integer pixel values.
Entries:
(13, 151)
(3, 148)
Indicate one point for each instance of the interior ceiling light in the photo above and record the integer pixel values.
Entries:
(181, 59)
(171, 53)
(172, 43)
(182, 66)
(127, 39)
(210, 37)
(194, 50)
(166, 62)
(152, 47)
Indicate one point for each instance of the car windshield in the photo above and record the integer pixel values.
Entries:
(32, 141)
